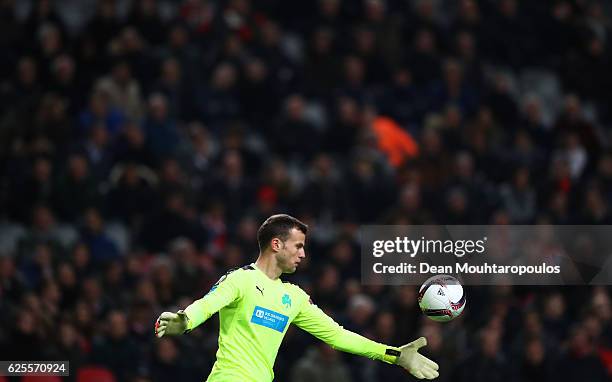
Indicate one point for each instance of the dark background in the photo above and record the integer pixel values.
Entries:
(143, 142)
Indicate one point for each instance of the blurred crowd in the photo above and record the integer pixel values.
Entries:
(143, 142)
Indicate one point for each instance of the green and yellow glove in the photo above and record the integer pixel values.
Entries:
(171, 324)
(417, 364)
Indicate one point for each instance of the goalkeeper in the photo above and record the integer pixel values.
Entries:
(255, 309)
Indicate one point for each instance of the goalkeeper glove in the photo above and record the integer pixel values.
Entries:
(171, 324)
(417, 364)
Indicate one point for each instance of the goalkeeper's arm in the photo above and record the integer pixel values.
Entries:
(223, 293)
(315, 321)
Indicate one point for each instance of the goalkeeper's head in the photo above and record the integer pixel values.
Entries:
(283, 237)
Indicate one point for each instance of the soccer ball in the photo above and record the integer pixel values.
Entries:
(441, 298)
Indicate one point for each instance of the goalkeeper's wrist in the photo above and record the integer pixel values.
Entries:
(187, 321)
(391, 355)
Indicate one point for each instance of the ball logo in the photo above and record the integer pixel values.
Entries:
(259, 314)
(441, 298)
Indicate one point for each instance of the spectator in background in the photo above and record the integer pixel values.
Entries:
(555, 317)
(144, 16)
(198, 155)
(236, 139)
(76, 189)
(433, 161)
(320, 363)
(25, 338)
(231, 186)
(115, 349)
(85, 321)
(130, 197)
(36, 188)
(258, 93)
(466, 50)
(50, 45)
(178, 44)
(353, 84)
(168, 363)
(519, 198)
(596, 209)
(114, 281)
(453, 89)
(163, 279)
(536, 363)
(347, 126)
(487, 363)
(22, 98)
(410, 205)
(580, 359)
(140, 315)
(46, 230)
(68, 284)
(130, 46)
(324, 195)
(502, 102)
(370, 189)
(170, 222)
(401, 101)
(101, 247)
(602, 306)
(322, 64)
(218, 103)
(294, 137)
(173, 179)
(52, 122)
(277, 180)
(123, 91)
(11, 282)
(132, 146)
(366, 47)
(42, 12)
(360, 311)
(162, 133)
(36, 265)
(104, 25)
(98, 152)
(69, 346)
(571, 120)
(101, 111)
(177, 89)
(533, 121)
(188, 268)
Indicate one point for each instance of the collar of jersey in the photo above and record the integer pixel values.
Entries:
(278, 280)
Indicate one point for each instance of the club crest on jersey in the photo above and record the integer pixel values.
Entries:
(286, 301)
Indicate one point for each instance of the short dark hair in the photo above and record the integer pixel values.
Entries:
(278, 226)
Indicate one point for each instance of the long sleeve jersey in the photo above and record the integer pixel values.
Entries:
(255, 312)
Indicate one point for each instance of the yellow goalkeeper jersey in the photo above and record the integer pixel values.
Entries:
(255, 312)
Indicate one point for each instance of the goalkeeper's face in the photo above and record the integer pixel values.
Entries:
(291, 251)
